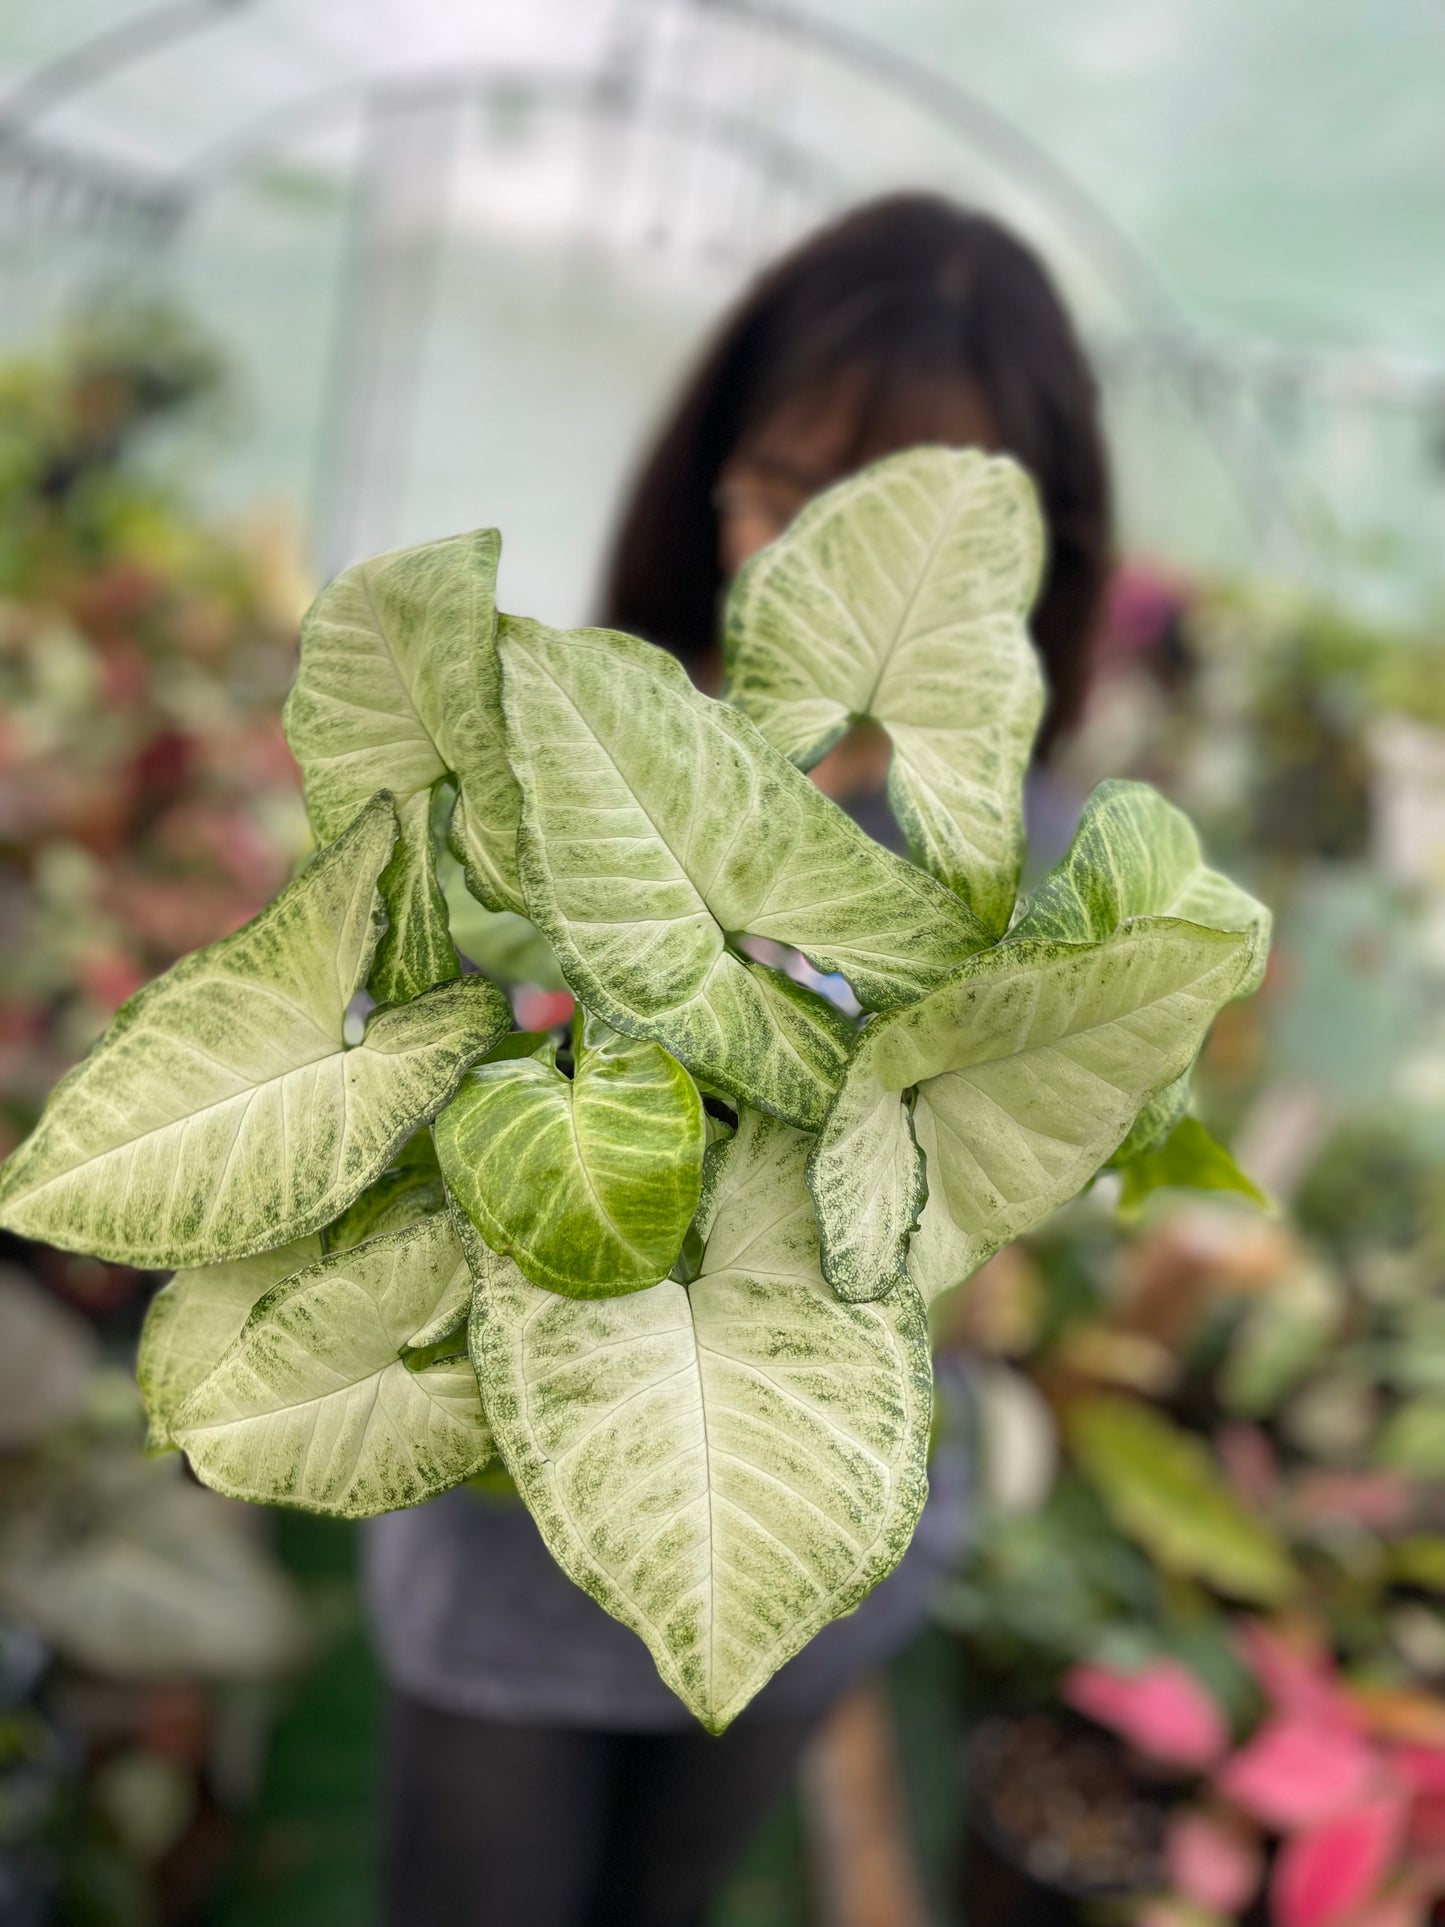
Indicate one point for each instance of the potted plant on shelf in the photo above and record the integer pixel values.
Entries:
(673, 1265)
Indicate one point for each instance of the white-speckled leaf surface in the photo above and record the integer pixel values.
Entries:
(1135, 855)
(903, 594)
(314, 1405)
(398, 687)
(416, 949)
(589, 1182)
(1029, 1066)
(656, 823)
(728, 1465)
(220, 1114)
(1157, 1119)
(194, 1319)
(397, 1198)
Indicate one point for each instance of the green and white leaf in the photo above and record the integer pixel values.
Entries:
(220, 1114)
(192, 1322)
(728, 1465)
(589, 1182)
(657, 824)
(315, 1404)
(1152, 1126)
(1028, 1068)
(1134, 855)
(1189, 1159)
(903, 595)
(416, 949)
(816, 1033)
(398, 688)
(411, 1190)
(506, 946)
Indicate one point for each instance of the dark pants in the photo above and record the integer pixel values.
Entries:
(519, 1826)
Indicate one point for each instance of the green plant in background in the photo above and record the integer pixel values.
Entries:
(674, 1267)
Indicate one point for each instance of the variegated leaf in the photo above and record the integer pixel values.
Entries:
(590, 1181)
(657, 824)
(220, 1114)
(193, 1321)
(1028, 1067)
(410, 1190)
(725, 1465)
(1135, 855)
(398, 687)
(902, 594)
(327, 1400)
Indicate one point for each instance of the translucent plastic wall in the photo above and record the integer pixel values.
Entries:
(460, 251)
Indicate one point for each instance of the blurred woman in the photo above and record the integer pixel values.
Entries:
(539, 1773)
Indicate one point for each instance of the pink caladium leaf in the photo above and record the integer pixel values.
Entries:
(1323, 1878)
(1162, 1709)
(1297, 1678)
(1214, 1859)
(1295, 1774)
(1422, 1768)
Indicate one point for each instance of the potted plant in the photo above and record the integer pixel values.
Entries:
(674, 1265)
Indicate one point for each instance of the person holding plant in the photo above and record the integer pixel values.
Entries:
(539, 1774)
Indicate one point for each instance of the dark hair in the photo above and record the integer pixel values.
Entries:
(905, 291)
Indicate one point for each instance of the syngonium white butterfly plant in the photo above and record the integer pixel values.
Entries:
(673, 1265)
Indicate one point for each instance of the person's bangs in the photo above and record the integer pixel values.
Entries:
(871, 406)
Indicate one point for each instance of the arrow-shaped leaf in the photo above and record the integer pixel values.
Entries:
(728, 1465)
(398, 688)
(657, 824)
(221, 1114)
(903, 594)
(315, 1403)
(1027, 1068)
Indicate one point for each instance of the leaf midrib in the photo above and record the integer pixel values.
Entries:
(244, 1096)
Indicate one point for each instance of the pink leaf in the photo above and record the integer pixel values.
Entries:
(1427, 1826)
(1422, 1768)
(1294, 1774)
(1213, 1859)
(1321, 1878)
(1297, 1679)
(1162, 1710)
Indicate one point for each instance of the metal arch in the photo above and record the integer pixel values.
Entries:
(218, 165)
(956, 107)
(964, 114)
(57, 185)
(104, 54)
(948, 102)
(53, 176)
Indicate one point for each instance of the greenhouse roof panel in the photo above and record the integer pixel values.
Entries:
(1278, 167)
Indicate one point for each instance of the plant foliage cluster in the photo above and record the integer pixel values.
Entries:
(674, 1268)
